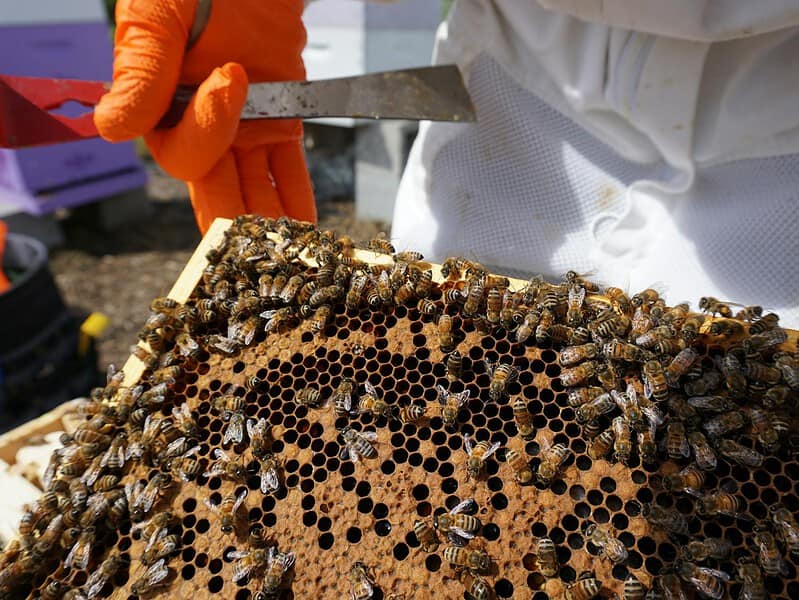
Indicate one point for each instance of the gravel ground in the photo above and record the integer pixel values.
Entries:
(118, 272)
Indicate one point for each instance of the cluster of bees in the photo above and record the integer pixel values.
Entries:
(631, 365)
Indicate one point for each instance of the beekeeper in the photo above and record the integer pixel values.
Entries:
(230, 168)
(650, 142)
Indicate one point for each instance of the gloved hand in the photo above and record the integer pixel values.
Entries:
(231, 168)
(4, 283)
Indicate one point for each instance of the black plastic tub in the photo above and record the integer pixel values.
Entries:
(40, 366)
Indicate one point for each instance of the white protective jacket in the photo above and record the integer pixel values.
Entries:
(650, 142)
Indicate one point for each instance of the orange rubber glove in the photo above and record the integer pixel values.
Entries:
(4, 282)
(231, 168)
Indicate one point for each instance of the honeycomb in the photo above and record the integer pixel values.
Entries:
(334, 513)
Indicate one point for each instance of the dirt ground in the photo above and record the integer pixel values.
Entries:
(117, 272)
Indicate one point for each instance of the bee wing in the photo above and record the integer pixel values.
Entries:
(220, 454)
(370, 389)
(345, 453)
(288, 561)
(157, 573)
(191, 452)
(490, 366)
(654, 414)
(461, 398)
(494, 447)
(457, 540)
(464, 505)
(235, 430)
(248, 338)
(173, 446)
(647, 389)
(80, 560)
(632, 394)
(236, 554)
(211, 505)
(467, 535)
(577, 295)
(354, 454)
(157, 535)
(467, 443)
(96, 583)
(442, 394)
(239, 499)
(369, 435)
(269, 481)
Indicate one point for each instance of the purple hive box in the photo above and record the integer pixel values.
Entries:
(40, 180)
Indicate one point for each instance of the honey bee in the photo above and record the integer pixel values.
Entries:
(690, 481)
(493, 305)
(81, 551)
(453, 296)
(715, 306)
(355, 293)
(445, 338)
(454, 366)
(601, 445)
(358, 444)
(258, 432)
(154, 577)
(631, 411)
(268, 472)
(633, 589)
(666, 518)
(790, 370)
(571, 355)
(228, 509)
(520, 466)
(706, 384)
(583, 395)
(734, 451)
(413, 413)
(699, 550)
(426, 535)
(765, 323)
(763, 427)
(528, 326)
(552, 461)
(54, 590)
(546, 557)
(725, 327)
(321, 318)
(648, 296)
(703, 454)
(142, 497)
(227, 468)
(450, 405)
(103, 574)
(609, 546)
(308, 396)
(475, 586)
(343, 398)
(754, 587)
(361, 582)
(615, 349)
(523, 419)
(248, 561)
(711, 404)
(234, 430)
(372, 403)
(652, 337)
(787, 527)
(581, 373)
(711, 583)
(586, 587)
(574, 311)
(758, 345)
(679, 366)
(160, 546)
(384, 290)
(734, 376)
(381, 245)
(720, 503)
(721, 425)
(474, 560)
(478, 454)
(502, 376)
(619, 300)
(458, 526)
(48, 538)
(601, 405)
(543, 331)
(769, 555)
(186, 466)
(647, 445)
(474, 298)
(184, 420)
(623, 441)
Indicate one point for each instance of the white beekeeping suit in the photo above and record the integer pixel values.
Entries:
(648, 141)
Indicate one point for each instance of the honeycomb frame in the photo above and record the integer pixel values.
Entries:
(334, 513)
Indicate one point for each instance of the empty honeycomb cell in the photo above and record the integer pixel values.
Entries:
(354, 535)
(423, 509)
(188, 555)
(667, 551)
(432, 563)
(382, 528)
(269, 519)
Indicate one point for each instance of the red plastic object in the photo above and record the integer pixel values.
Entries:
(25, 102)
(4, 282)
